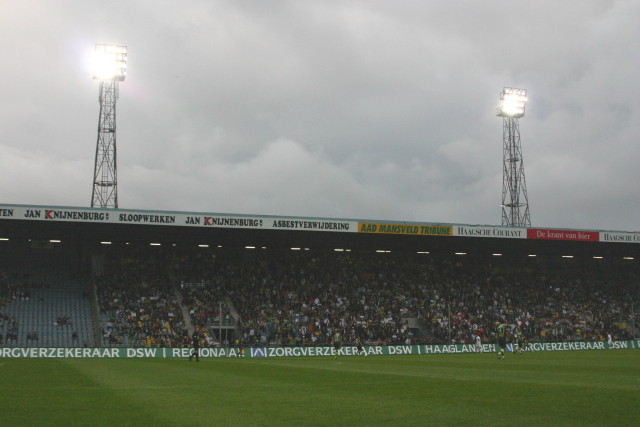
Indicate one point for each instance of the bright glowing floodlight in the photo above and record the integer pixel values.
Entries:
(512, 102)
(110, 62)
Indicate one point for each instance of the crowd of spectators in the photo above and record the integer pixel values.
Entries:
(300, 298)
(201, 287)
(542, 307)
(296, 299)
(273, 298)
(205, 307)
(137, 297)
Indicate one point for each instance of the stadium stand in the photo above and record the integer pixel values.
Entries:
(294, 298)
(45, 304)
(138, 305)
(152, 297)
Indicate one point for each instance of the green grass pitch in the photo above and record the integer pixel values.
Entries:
(577, 388)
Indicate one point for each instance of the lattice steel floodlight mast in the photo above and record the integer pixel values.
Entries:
(110, 68)
(515, 203)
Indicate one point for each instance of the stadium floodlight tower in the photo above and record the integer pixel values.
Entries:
(515, 203)
(110, 68)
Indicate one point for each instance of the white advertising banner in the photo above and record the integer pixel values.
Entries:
(115, 216)
(619, 237)
(489, 231)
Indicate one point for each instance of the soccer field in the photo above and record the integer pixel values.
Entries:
(547, 388)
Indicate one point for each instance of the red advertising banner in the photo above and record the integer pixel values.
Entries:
(582, 236)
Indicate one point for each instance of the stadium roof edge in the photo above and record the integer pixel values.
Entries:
(285, 217)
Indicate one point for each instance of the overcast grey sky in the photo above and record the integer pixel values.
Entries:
(362, 109)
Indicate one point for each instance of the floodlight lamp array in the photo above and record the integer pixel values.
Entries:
(512, 102)
(110, 62)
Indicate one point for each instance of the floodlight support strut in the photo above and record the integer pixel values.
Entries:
(105, 175)
(515, 203)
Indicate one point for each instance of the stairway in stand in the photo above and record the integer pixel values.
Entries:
(188, 324)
